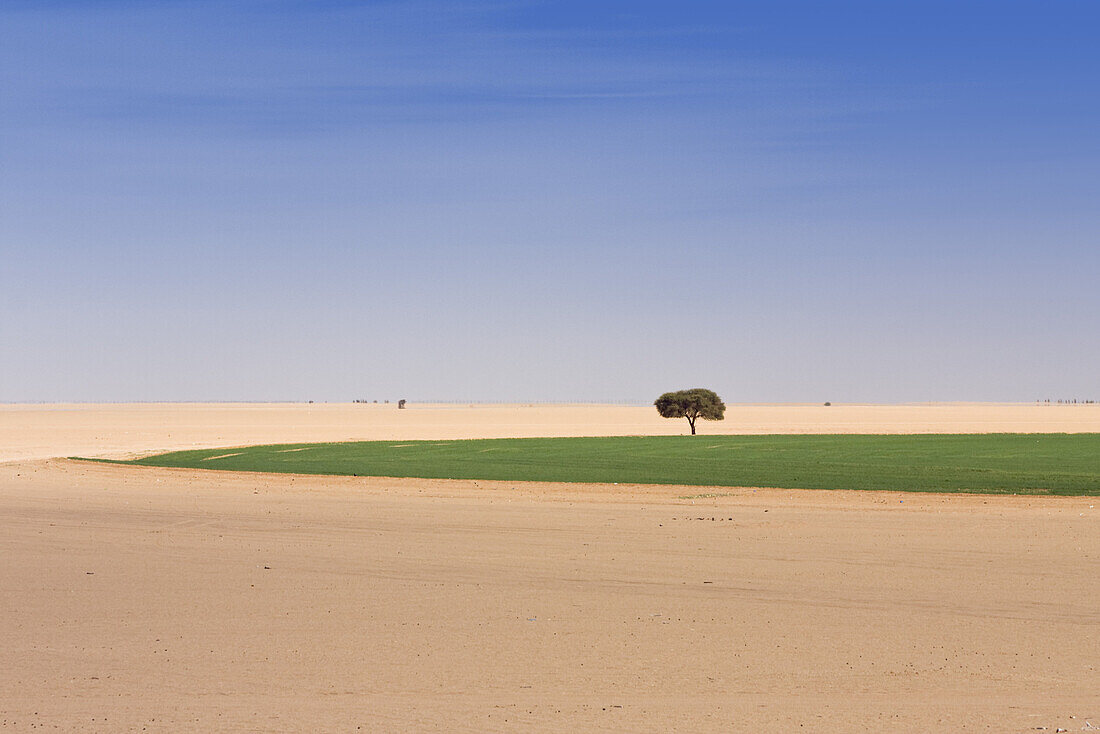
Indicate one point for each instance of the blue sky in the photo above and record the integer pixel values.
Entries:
(785, 201)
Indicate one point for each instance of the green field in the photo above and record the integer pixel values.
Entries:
(1065, 464)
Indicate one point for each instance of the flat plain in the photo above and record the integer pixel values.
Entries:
(126, 430)
(988, 463)
(161, 599)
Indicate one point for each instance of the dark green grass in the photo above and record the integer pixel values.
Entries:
(1067, 464)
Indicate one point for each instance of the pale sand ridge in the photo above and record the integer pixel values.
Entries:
(44, 431)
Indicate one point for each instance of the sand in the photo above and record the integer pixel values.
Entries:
(142, 599)
(122, 430)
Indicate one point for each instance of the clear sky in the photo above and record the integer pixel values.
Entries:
(783, 201)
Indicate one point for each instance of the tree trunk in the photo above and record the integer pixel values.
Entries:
(691, 422)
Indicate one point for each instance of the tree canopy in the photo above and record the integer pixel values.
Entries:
(691, 404)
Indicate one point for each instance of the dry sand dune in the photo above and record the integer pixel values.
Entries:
(139, 599)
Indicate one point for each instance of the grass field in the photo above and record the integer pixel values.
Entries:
(1067, 464)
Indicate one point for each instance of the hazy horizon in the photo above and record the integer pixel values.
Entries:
(413, 404)
(548, 201)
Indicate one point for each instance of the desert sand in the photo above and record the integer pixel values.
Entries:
(124, 430)
(141, 599)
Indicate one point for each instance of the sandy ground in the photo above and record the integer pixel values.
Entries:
(44, 431)
(141, 599)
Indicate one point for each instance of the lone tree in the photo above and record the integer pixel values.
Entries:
(691, 404)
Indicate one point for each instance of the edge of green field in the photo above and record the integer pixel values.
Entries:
(995, 463)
